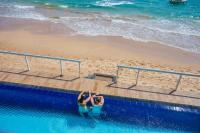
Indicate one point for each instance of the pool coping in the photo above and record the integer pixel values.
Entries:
(113, 96)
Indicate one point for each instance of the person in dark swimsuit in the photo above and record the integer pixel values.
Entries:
(82, 103)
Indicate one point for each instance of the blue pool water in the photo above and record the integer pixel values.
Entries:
(23, 121)
(142, 20)
(35, 109)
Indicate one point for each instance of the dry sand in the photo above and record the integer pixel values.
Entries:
(101, 54)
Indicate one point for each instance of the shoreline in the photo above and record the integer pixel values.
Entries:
(49, 27)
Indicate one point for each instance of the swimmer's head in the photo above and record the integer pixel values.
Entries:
(82, 98)
(97, 100)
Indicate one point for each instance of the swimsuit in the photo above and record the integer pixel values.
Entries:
(96, 110)
(82, 109)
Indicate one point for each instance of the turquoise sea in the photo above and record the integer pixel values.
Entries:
(142, 20)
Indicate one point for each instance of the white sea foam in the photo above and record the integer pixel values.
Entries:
(47, 4)
(172, 26)
(183, 36)
(27, 16)
(63, 6)
(24, 7)
(110, 3)
(21, 11)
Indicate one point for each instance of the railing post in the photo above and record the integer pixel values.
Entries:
(61, 68)
(27, 63)
(117, 75)
(178, 82)
(79, 69)
(137, 77)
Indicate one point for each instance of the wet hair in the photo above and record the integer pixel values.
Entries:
(97, 100)
(82, 98)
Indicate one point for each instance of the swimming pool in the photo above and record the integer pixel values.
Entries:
(37, 109)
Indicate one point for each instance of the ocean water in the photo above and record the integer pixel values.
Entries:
(141, 20)
(18, 120)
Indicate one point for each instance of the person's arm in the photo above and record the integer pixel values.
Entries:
(88, 99)
(79, 97)
(92, 100)
(102, 100)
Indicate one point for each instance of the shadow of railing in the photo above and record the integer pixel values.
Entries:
(28, 65)
(34, 74)
(168, 92)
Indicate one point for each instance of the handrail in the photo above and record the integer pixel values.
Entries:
(46, 57)
(39, 56)
(159, 71)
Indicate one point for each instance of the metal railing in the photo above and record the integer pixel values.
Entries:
(61, 60)
(138, 69)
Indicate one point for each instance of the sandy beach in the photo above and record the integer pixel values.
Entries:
(99, 53)
(109, 66)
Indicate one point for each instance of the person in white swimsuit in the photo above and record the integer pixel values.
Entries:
(97, 104)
